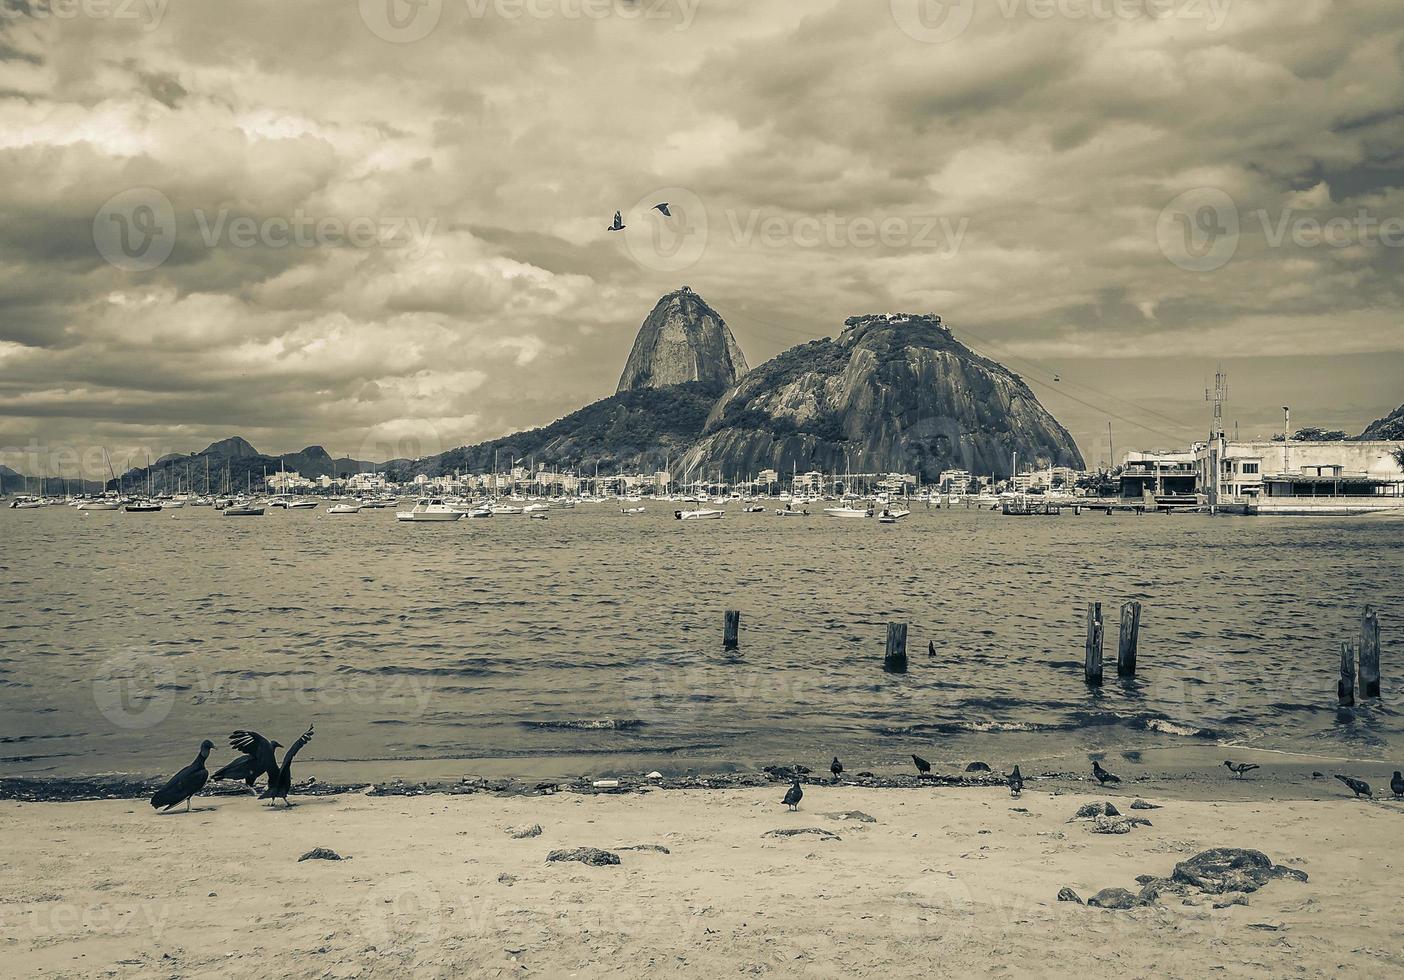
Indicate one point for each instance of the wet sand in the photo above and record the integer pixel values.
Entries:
(943, 881)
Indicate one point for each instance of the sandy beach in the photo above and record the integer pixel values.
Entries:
(922, 882)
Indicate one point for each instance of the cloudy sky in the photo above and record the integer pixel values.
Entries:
(380, 225)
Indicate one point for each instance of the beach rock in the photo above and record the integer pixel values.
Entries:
(656, 848)
(320, 854)
(1235, 898)
(819, 832)
(592, 856)
(1118, 899)
(858, 815)
(1143, 805)
(1153, 888)
(506, 879)
(977, 767)
(524, 831)
(1111, 825)
(1066, 894)
(1091, 811)
(1222, 870)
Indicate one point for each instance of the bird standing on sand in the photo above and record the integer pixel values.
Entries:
(1101, 775)
(186, 783)
(258, 759)
(793, 795)
(1357, 786)
(663, 209)
(1239, 768)
(923, 767)
(836, 768)
(1016, 783)
(1396, 785)
(280, 782)
(618, 223)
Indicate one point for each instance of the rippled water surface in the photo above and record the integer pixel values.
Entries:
(125, 638)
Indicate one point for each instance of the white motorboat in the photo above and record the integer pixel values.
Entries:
(699, 515)
(344, 509)
(26, 503)
(172, 504)
(630, 511)
(889, 516)
(848, 511)
(301, 505)
(504, 509)
(788, 512)
(246, 509)
(535, 508)
(429, 509)
(101, 503)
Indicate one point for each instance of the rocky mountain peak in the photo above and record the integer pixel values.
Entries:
(682, 340)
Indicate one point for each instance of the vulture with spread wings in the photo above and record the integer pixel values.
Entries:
(258, 758)
(280, 781)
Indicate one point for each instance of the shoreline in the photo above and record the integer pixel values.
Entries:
(858, 882)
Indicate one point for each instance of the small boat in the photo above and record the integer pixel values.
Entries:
(538, 517)
(893, 516)
(699, 515)
(504, 509)
(848, 511)
(143, 507)
(535, 508)
(429, 509)
(172, 504)
(26, 503)
(633, 510)
(102, 503)
(787, 512)
(243, 510)
(753, 510)
(301, 505)
(344, 509)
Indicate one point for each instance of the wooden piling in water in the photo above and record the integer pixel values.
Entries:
(1369, 653)
(1345, 687)
(1092, 667)
(1129, 640)
(894, 661)
(731, 632)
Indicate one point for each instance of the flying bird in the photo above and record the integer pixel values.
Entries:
(1101, 775)
(663, 209)
(1396, 785)
(793, 795)
(258, 758)
(1016, 782)
(923, 767)
(1357, 786)
(1239, 768)
(618, 222)
(836, 768)
(186, 783)
(280, 782)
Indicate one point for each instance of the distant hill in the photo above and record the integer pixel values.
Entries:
(1389, 427)
(634, 430)
(894, 393)
(237, 461)
(681, 340)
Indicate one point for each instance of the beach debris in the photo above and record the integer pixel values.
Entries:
(1232, 869)
(819, 832)
(1143, 805)
(1102, 776)
(506, 879)
(605, 784)
(1318, 775)
(1117, 825)
(592, 856)
(793, 795)
(923, 767)
(655, 775)
(1227, 901)
(858, 815)
(1239, 769)
(320, 854)
(1016, 783)
(1066, 894)
(186, 783)
(655, 848)
(1091, 811)
(977, 767)
(1118, 899)
(523, 831)
(1357, 786)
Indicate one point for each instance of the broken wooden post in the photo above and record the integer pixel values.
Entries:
(1093, 664)
(1345, 687)
(1369, 653)
(1127, 642)
(895, 659)
(731, 634)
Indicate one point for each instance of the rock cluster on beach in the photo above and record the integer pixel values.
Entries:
(1230, 872)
